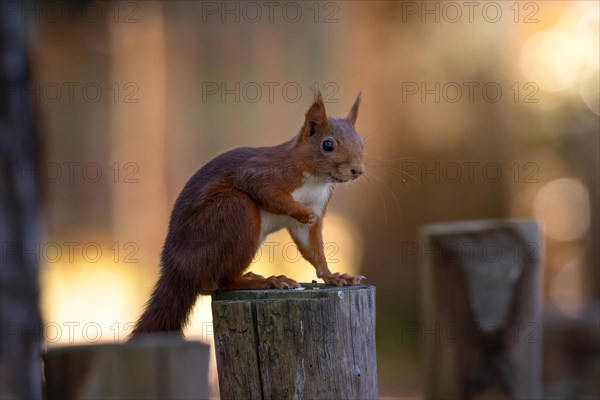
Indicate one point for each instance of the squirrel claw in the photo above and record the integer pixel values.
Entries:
(282, 282)
(338, 279)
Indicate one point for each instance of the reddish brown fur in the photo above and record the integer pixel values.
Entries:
(215, 225)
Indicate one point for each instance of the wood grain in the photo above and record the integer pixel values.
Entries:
(317, 343)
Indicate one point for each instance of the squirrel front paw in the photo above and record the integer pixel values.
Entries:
(282, 282)
(338, 279)
(305, 216)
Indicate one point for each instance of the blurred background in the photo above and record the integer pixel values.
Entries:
(471, 110)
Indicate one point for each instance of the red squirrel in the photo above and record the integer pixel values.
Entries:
(229, 206)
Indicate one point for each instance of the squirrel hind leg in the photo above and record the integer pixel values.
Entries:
(234, 223)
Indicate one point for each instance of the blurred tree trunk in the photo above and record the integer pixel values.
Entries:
(20, 323)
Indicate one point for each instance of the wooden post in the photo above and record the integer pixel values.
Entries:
(160, 367)
(482, 329)
(316, 343)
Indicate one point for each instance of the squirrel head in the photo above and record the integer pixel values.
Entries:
(331, 148)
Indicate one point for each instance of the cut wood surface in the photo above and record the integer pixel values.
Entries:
(160, 367)
(316, 343)
(481, 297)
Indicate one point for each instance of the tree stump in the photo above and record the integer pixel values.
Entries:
(481, 295)
(316, 343)
(159, 367)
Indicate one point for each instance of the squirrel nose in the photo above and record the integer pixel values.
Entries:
(357, 171)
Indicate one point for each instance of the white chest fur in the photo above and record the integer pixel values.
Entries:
(312, 193)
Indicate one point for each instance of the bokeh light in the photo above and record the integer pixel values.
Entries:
(556, 58)
(563, 207)
(85, 302)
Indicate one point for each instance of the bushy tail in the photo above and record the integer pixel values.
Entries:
(169, 306)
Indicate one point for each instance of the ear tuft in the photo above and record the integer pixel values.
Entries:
(353, 114)
(315, 117)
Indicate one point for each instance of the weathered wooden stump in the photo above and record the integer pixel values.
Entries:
(481, 295)
(160, 367)
(317, 343)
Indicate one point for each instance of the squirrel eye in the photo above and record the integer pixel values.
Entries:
(328, 145)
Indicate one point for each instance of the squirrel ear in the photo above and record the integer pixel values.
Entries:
(354, 110)
(315, 116)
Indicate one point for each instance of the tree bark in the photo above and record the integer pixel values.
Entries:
(20, 322)
(317, 343)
